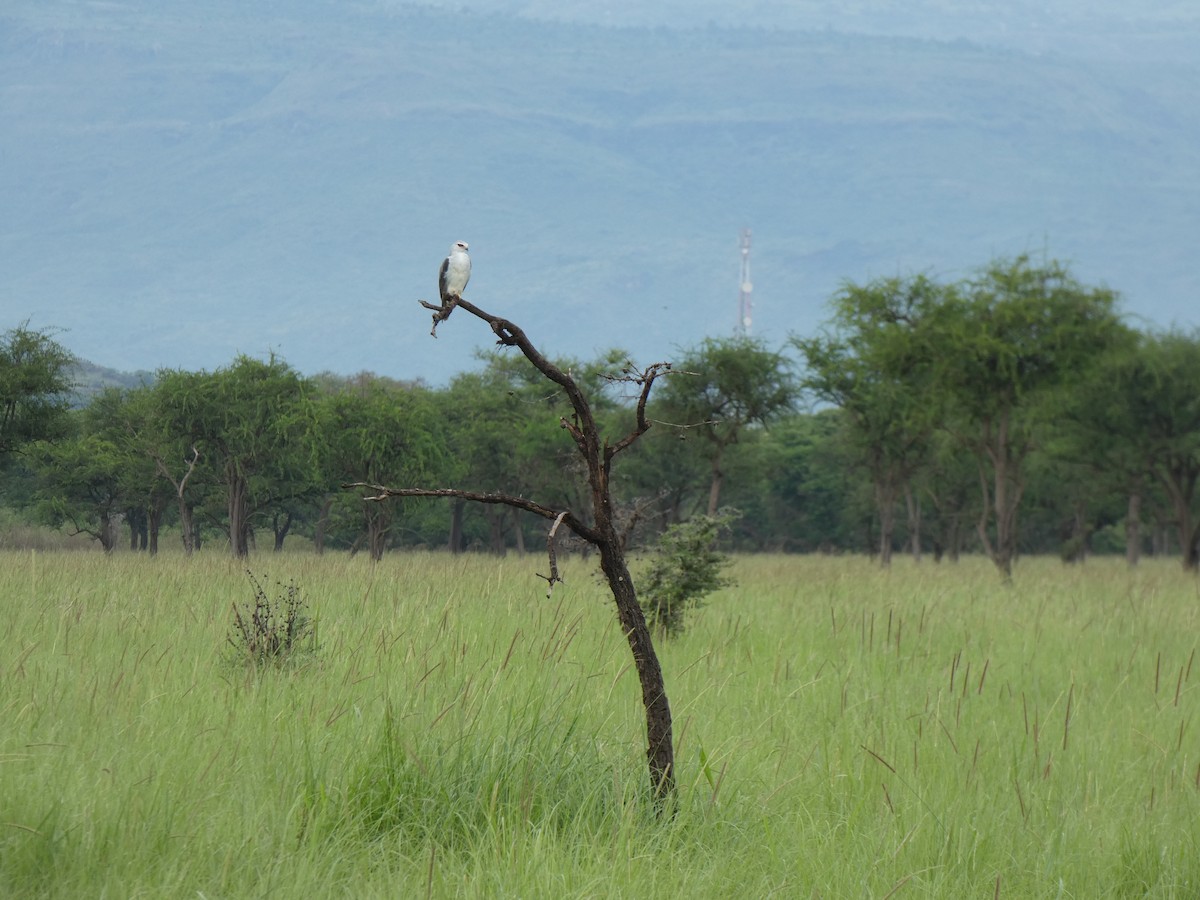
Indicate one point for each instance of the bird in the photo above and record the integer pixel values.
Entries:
(455, 273)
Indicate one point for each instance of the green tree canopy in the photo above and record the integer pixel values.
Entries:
(876, 363)
(35, 386)
(1003, 344)
(722, 387)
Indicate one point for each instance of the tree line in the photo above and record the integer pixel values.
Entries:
(1014, 411)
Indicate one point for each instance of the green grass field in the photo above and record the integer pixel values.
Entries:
(841, 732)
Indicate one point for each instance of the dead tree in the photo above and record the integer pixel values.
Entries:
(597, 526)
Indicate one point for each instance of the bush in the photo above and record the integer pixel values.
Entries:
(686, 568)
(272, 631)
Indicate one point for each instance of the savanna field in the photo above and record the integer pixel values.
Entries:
(840, 731)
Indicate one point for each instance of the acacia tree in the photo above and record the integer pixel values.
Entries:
(1003, 343)
(81, 482)
(725, 386)
(35, 380)
(373, 432)
(1140, 415)
(1105, 424)
(597, 525)
(250, 423)
(875, 365)
(174, 439)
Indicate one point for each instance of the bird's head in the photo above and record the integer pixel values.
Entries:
(459, 247)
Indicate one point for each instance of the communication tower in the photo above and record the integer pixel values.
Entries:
(745, 301)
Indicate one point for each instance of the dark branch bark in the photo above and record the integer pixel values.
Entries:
(642, 424)
(551, 551)
(545, 512)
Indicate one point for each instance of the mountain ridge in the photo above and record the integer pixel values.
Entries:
(190, 186)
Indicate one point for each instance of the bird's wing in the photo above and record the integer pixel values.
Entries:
(442, 278)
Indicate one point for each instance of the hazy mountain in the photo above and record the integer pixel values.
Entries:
(180, 183)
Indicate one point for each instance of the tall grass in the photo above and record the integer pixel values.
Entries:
(841, 732)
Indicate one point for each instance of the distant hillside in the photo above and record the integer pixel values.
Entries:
(182, 183)
(1165, 30)
(90, 379)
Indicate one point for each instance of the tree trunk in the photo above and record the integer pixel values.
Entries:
(913, 504)
(322, 524)
(714, 488)
(281, 529)
(495, 519)
(188, 527)
(155, 514)
(455, 543)
(1133, 528)
(1006, 497)
(885, 505)
(660, 753)
(107, 532)
(239, 542)
(379, 524)
(1180, 483)
(135, 517)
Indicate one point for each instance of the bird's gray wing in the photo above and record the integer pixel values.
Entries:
(442, 279)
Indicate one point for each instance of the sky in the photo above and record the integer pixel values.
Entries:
(118, 250)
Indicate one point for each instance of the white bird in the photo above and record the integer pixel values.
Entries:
(455, 273)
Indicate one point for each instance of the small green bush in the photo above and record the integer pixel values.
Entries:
(686, 568)
(271, 632)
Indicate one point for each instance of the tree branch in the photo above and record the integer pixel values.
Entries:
(642, 424)
(440, 313)
(553, 578)
(511, 335)
(586, 532)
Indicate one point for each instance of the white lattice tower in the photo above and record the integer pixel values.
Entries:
(746, 286)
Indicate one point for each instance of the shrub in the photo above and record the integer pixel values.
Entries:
(272, 632)
(685, 569)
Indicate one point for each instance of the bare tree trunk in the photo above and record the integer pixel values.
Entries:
(322, 525)
(191, 534)
(1133, 528)
(155, 514)
(1180, 483)
(495, 519)
(379, 523)
(660, 754)
(885, 506)
(107, 532)
(281, 529)
(714, 488)
(913, 504)
(237, 503)
(187, 525)
(1006, 497)
(135, 518)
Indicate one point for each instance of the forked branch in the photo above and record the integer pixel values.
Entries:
(552, 552)
(383, 493)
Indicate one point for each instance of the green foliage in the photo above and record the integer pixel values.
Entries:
(35, 383)
(724, 385)
(876, 365)
(80, 484)
(272, 631)
(685, 569)
(1084, 414)
(720, 390)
